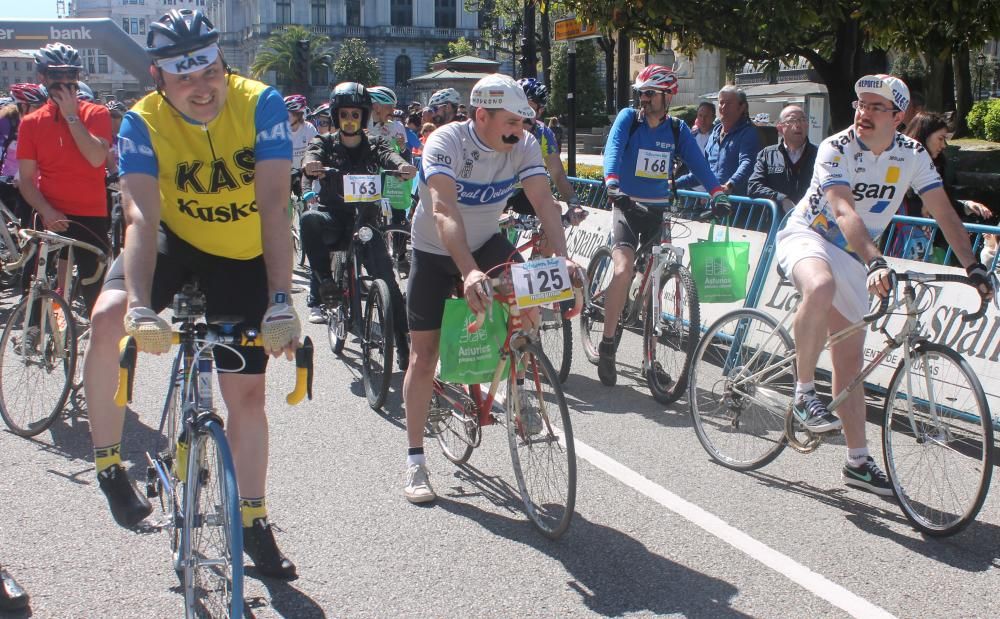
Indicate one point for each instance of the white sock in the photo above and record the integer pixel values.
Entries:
(415, 459)
(857, 456)
(804, 388)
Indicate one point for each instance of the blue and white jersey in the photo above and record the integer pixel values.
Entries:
(484, 179)
(877, 182)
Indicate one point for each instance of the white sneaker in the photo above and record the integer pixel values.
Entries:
(316, 315)
(418, 485)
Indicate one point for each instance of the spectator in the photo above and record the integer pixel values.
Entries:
(64, 144)
(732, 146)
(12, 596)
(916, 107)
(426, 115)
(783, 171)
(556, 129)
(703, 123)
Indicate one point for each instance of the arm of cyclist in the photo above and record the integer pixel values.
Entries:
(312, 161)
(936, 202)
(389, 159)
(451, 230)
(614, 149)
(281, 327)
(141, 202)
(558, 174)
(536, 189)
(52, 219)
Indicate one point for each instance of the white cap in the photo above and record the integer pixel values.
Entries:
(888, 86)
(498, 91)
(189, 62)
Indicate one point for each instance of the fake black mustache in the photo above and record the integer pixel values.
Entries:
(510, 139)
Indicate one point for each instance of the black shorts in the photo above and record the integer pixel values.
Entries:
(632, 228)
(435, 277)
(231, 287)
(519, 203)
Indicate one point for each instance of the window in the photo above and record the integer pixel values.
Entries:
(319, 13)
(353, 12)
(402, 13)
(102, 64)
(3, 65)
(444, 13)
(135, 25)
(142, 25)
(16, 67)
(402, 70)
(284, 12)
(125, 24)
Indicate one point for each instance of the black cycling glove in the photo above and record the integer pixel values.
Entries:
(981, 278)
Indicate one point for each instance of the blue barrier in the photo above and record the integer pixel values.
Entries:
(902, 241)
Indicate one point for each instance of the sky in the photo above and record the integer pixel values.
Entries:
(19, 9)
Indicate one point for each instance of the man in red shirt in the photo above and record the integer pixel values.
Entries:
(64, 145)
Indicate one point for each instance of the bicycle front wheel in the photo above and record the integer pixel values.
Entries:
(600, 271)
(937, 439)
(37, 363)
(213, 529)
(540, 436)
(556, 334)
(740, 388)
(377, 342)
(670, 338)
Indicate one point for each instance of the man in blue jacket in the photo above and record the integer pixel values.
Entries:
(733, 146)
(638, 161)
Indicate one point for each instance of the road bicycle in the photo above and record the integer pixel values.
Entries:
(937, 432)
(376, 325)
(116, 208)
(662, 288)
(539, 431)
(191, 469)
(41, 342)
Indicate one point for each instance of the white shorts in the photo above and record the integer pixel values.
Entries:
(850, 276)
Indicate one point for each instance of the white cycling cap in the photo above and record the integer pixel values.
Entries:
(888, 86)
(498, 91)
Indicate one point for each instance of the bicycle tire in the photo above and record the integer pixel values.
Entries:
(741, 425)
(378, 336)
(600, 270)
(453, 419)
(556, 334)
(45, 374)
(680, 328)
(398, 241)
(548, 506)
(213, 529)
(174, 457)
(339, 316)
(957, 446)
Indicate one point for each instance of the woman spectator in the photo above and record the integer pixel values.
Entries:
(425, 132)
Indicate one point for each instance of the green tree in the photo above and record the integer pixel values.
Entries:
(589, 91)
(354, 63)
(459, 47)
(279, 54)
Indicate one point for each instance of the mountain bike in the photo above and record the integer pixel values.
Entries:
(937, 432)
(39, 345)
(539, 430)
(191, 469)
(662, 301)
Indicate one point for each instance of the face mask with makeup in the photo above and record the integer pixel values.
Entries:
(350, 123)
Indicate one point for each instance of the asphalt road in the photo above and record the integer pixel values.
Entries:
(659, 529)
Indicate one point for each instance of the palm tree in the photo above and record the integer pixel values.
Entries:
(280, 53)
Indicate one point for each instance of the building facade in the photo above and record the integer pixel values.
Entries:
(16, 66)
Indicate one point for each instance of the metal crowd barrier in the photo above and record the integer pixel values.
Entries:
(913, 238)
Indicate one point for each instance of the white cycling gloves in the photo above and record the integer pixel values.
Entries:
(280, 327)
(152, 334)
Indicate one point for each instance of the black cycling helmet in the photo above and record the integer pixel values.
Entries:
(57, 56)
(350, 94)
(535, 91)
(179, 32)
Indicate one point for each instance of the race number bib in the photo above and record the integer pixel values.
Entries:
(541, 281)
(652, 164)
(362, 187)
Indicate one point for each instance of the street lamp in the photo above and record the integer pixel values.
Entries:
(980, 64)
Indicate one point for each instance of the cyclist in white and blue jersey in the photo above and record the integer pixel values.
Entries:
(827, 248)
(638, 163)
(467, 172)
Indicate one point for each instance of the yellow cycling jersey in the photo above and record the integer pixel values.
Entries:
(206, 171)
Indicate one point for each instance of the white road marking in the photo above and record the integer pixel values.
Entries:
(816, 583)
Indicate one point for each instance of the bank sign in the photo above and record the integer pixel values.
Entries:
(941, 322)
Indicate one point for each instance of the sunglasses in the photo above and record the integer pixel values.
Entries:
(345, 115)
(60, 74)
(323, 123)
(647, 93)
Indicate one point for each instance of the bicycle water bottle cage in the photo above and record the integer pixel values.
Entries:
(188, 303)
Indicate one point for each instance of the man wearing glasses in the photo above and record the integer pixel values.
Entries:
(733, 145)
(783, 171)
(444, 106)
(827, 250)
(64, 144)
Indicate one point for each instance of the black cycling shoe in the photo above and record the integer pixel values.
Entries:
(403, 354)
(128, 506)
(606, 370)
(12, 595)
(330, 292)
(259, 544)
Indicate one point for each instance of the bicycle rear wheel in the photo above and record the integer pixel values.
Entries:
(453, 419)
(669, 339)
(540, 436)
(556, 334)
(599, 273)
(213, 529)
(37, 363)
(377, 343)
(740, 388)
(940, 458)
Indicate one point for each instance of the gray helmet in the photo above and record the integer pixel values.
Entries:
(179, 32)
(57, 56)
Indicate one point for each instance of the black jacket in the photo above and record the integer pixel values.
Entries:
(369, 157)
(775, 177)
